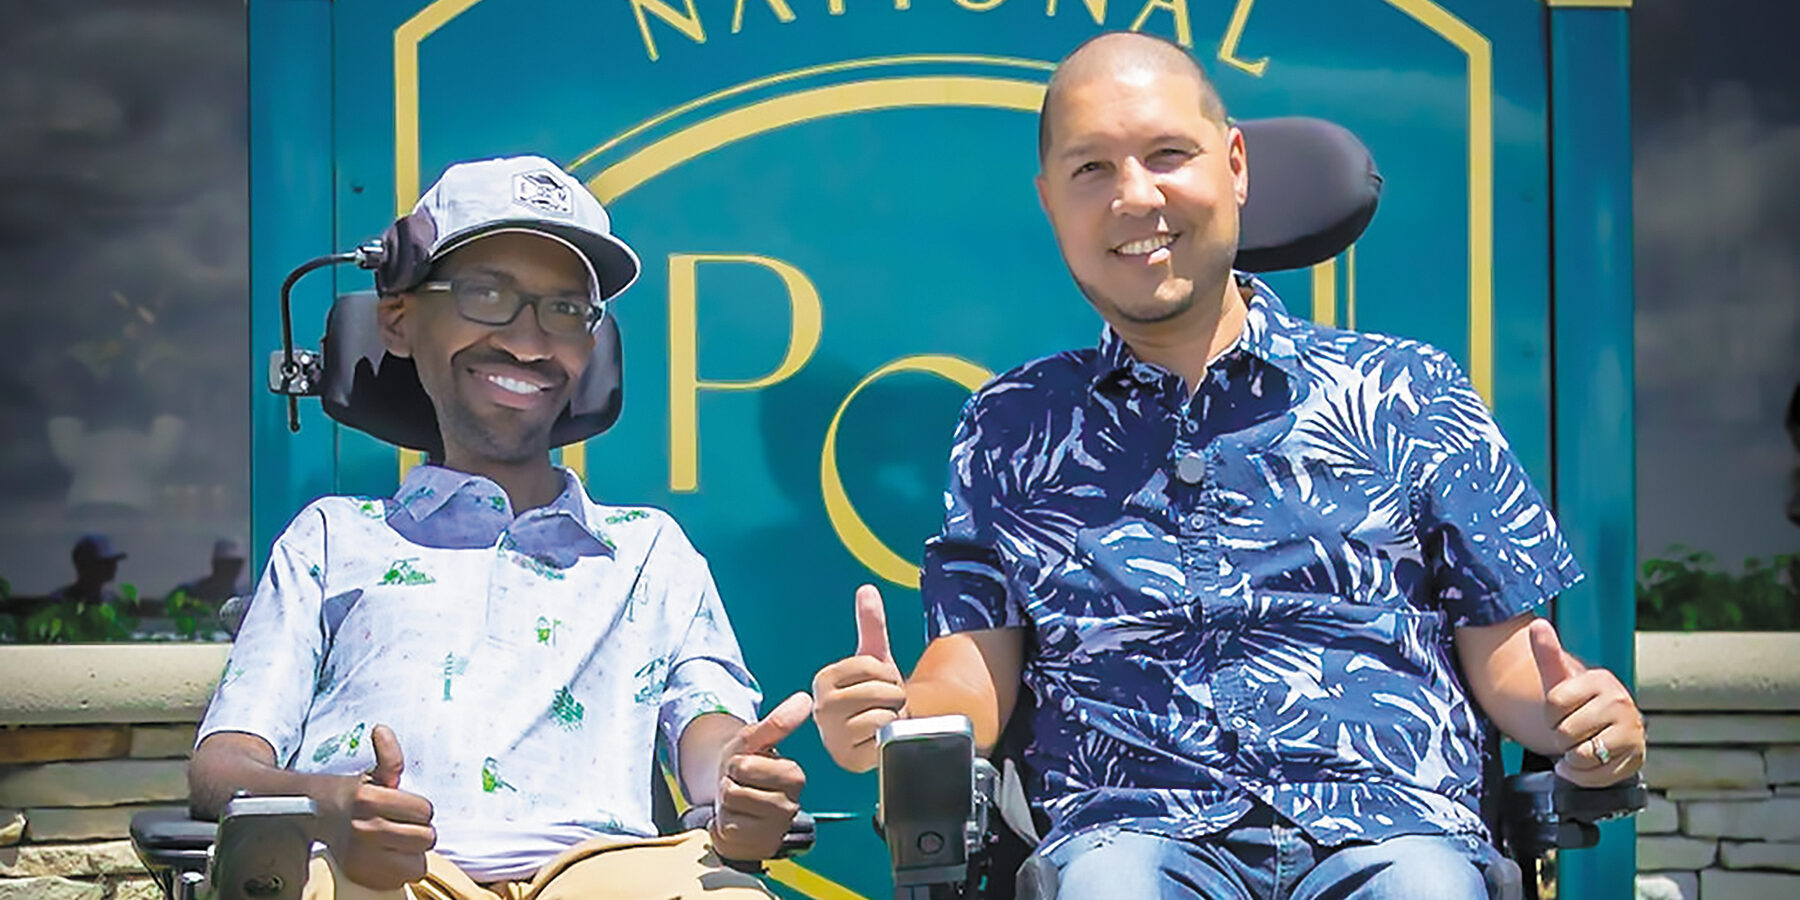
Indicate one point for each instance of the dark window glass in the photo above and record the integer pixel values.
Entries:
(123, 326)
(1716, 135)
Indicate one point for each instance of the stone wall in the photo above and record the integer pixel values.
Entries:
(1724, 768)
(67, 795)
(90, 736)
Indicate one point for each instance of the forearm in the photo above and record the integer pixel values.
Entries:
(927, 696)
(1503, 677)
(1515, 704)
(702, 746)
(229, 762)
(975, 674)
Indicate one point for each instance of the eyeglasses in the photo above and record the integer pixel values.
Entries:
(489, 301)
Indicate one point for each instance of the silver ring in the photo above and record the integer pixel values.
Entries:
(1600, 751)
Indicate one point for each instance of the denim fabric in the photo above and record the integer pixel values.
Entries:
(1265, 857)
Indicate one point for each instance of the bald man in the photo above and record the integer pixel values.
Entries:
(1257, 574)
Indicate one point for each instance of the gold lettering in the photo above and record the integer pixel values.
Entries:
(979, 5)
(1324, 293)
(783, 14)
(685, 383)
(850, 527)
(1234, 32)
(1184, 34)
(688, 24)
(1095, 8)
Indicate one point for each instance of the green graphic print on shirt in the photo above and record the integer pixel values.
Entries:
(566, 711)
(347, 742)
(490, 776)
(402, 572)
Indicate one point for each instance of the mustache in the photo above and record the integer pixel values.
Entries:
(547, 369)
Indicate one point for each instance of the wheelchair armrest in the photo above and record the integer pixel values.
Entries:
(168, 839)
(263, 850)
(1600, 804)
(800, 836)
(802, 833)
(1541, 811)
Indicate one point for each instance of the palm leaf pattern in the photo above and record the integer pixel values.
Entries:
(1280, 630)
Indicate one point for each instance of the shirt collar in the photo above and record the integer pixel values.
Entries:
(428, 489)
(1270, 334)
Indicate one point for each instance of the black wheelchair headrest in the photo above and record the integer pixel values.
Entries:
(366, 388)
(1313, 189)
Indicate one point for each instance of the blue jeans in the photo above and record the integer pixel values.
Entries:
(1265, 857)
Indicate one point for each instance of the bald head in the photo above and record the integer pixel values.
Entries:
(1117, 53)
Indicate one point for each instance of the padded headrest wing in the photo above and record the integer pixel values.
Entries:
(1313, 189)
(375, 392)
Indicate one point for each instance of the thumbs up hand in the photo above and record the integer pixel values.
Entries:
(1597, 725)
(858, 695)
(759, 792)
(377, 833)
(389, 761)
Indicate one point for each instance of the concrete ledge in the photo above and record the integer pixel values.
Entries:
(1720, 671)
(111, 683)
(124, 683)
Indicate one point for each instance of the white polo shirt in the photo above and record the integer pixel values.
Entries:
(526, 664)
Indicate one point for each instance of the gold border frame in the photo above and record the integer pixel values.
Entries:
(1473, 44)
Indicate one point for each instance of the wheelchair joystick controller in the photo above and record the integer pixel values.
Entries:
(933, 805)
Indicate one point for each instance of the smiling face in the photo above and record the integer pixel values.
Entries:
(1142, 188)
(497, 389)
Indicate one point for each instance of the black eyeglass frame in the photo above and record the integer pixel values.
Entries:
(596, 312)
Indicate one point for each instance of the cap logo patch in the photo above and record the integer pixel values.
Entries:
(541, 191)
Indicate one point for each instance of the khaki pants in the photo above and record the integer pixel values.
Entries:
(677, 867)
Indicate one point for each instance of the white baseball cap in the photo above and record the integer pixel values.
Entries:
(528, 194)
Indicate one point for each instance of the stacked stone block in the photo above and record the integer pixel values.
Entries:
(1724, 816)
(67, 795)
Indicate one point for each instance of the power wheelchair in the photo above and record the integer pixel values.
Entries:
(261, 847)
(962, 839)
(1318, 189)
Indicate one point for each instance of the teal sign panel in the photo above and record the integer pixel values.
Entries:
(833, 200)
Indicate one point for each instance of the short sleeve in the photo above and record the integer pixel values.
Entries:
(707, 673)
(1492, 547)
(963, 582)
(267, 686)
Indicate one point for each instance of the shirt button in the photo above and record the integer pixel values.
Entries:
(1196, 521)
(1192, 468)
(1190, 426)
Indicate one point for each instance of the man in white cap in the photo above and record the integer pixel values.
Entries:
(470, 678)
(224, 581)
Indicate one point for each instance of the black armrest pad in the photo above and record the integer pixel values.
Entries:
(1542, 811)
(800, 836)
(170, 829)
(1581, 804)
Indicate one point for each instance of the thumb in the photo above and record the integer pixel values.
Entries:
(388, 761)
(1554, 664)
(772, 729)
(871, 624)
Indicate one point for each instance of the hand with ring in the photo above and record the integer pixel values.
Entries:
(1598, 726)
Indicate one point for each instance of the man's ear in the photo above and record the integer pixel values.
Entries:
(1240, 164)
(396, 326)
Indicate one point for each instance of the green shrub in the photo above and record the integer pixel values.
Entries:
(1689, 593)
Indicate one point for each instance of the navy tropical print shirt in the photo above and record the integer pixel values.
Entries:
(1251, 592)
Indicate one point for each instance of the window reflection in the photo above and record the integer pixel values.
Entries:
(124, 400)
